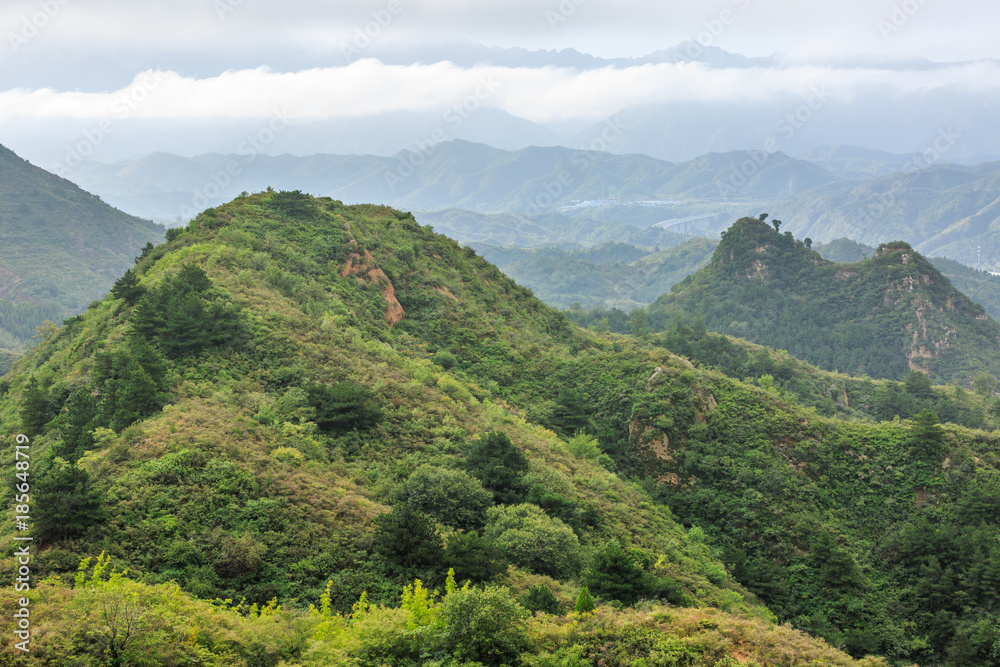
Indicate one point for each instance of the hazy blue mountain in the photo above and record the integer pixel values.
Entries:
(946, 210)
(469, 54)
(853, 162)
(549, 230)
(454, 174)
(876, 119)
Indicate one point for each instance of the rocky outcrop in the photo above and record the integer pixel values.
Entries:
(360, 263)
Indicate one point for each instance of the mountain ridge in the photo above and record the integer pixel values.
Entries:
(896, 307)
(447, 175)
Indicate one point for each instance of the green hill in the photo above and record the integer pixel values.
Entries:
(294, 392)
(980, 286)
(62, 248)
(295, 402)
(883, 317)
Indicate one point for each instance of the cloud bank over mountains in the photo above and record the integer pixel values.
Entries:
(110, 80)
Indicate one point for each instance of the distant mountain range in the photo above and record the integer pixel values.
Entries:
(832, 192)
(455, 174)
(946, 210)
(613, 275)
(631, 274)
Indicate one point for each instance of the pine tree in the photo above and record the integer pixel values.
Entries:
(128, 289)
(541, 598)
(343, 407)
(76, 424)
(35, 411)
(571, 413)
(615, 574)
(926, 436)
(65, 502)
(500, 466)
(584, 602)
(146, 249)
(132, 384)
(918, 384)
(407, 540)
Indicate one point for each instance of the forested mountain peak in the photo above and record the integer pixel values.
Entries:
(884, 317)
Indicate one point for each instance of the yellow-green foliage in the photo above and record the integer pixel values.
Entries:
(161, 626)
(670, 636)
(107, 616)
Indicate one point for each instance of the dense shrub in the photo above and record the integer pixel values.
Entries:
(452, 497)
(486, 625)
(344, 406)
(532, 539)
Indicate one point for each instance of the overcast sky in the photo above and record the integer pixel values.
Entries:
(190, 59)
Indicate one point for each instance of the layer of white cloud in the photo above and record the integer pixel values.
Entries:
(541, 95)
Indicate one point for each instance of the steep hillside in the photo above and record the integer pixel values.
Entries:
(62, 248)
(829, 393)
(880, 537)
(884, 317)
(980, 286)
